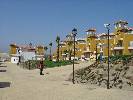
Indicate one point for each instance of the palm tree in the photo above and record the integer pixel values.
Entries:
(58, 41)
(50, 45)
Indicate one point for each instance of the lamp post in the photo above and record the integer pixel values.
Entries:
(101, 51)
(96, 53)
(50, 51)
(19, 57)
(108, 29)
(74, 33)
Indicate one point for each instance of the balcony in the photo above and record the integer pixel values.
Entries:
(87, 50)
(130, 47)
(118, 48)
(92, 36)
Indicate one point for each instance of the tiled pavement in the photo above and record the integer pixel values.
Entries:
(22, 84)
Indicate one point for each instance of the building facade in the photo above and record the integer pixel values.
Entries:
(22, 53)
(94, 45)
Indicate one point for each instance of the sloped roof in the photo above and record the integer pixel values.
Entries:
(121, 21)
(130, 28)
(105, 34)
(91, 29)
(24, 47)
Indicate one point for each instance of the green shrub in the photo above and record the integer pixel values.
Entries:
(124, 58)
(50, 64)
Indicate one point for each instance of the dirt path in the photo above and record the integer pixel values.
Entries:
(29, 85)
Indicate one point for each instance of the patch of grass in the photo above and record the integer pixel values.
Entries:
(50, 64)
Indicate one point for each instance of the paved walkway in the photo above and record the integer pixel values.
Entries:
(25, 84)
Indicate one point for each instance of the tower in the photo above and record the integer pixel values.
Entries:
(91, 43)
(121, 27)
(91, 39)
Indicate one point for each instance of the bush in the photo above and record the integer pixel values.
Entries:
(33, 64)
(124, 58)
(30, 64)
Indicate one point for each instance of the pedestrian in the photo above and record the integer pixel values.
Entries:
(41, 66)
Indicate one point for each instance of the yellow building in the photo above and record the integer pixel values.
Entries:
(62, 49)
(13, 48)
(39, 51)
(123, 41)
(66, 49)
(91, 42)
(120, 43)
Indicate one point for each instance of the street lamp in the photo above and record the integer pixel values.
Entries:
(108, 29)
(96, 53)
(74, 33)
(101, 51)
(19, 51)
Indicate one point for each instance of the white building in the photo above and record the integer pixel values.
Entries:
(14, 58)
(24, 53)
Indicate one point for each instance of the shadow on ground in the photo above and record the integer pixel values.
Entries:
(3, 66)
(3, 70)
(4, 84)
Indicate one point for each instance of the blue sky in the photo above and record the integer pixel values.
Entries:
(40, 21)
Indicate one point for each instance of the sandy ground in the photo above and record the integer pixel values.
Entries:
(29, 85)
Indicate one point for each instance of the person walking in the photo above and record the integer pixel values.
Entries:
(41, 65)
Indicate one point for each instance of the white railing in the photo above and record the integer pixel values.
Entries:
(118, 48)
(131, 47)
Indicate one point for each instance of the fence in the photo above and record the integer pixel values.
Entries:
(30, 64)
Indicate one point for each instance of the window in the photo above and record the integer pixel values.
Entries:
(119, 52)
(119, 44)
(131, 51)
(131, 44)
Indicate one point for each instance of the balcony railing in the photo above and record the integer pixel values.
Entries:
(92, 36)
(86, 50)
(118, 45)
(130, 47)
(118, 48)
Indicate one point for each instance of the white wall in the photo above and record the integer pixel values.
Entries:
(14, 59)
(131, 43)
(28, 55)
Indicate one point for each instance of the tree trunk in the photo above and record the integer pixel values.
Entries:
(58, 53)
(50, 54)
(70, 55)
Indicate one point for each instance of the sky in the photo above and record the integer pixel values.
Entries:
(40, 21)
